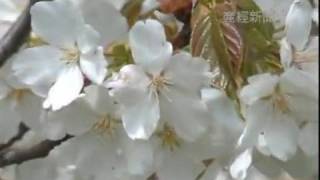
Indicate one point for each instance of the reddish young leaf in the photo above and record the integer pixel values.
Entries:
(218, 40)
(169, 6)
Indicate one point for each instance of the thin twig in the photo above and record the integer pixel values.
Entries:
(22, 131)
(17, 156)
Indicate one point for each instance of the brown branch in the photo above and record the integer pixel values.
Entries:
(153, 177)
(22, 131)
(17, 34)
(17, 156)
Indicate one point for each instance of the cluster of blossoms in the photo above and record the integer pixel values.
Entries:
(160, 115)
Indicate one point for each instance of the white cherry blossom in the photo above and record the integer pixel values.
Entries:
(299, 166)
(17, 104)
(306, 60)
(156, 113)
(77, 118)
(105, 17)
(101, 146)
(277, 106)
(86, 157)
(94, 119)
(75, 51)
(156, 87)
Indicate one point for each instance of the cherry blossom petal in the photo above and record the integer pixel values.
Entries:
(192, 77)
(298, 23)
(76, 119)
(306, 87)
(239, 167)
(57, 22)
(302, 98)
(88, 40)
(140, 113)
(177, 165)
(150, 48)
(222, 109)
(66, 89)
(8, 75)
(309, 139)
(93, 155)
(129, 76)
(308, 60)
(105, 19)
(53, 130)
(256, 116)
(82, 158)
(139, 108)
(139, 155)
(281, 135)
(188, 115)
(94, 66)
(259, 86)
(30, 108)
(99, 100)
(31, 67)
(286, 53)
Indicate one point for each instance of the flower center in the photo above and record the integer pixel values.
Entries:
(169, 137)
(159, 82)
(106, 126)
(280, 102)
(71, 55)
(18, 94)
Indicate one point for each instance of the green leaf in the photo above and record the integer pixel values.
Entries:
(219, 42)
(131, 11)
(259, 43)
(120, 54)
(266, 28)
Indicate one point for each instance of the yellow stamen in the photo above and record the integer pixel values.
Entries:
(280, 102)
(159, 84)
(71, 55)
(106, 125)
(169, 137)
(18, 94)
